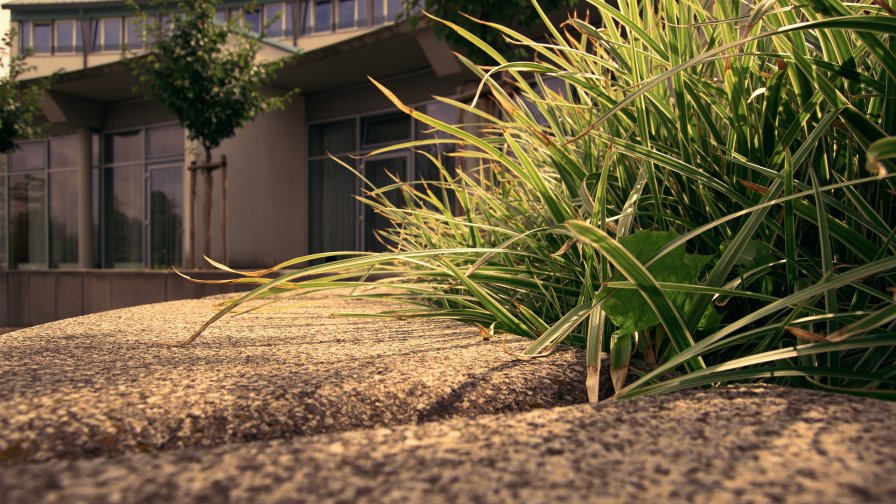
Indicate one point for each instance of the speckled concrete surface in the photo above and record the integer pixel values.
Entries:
(743, 444)
(97, 385)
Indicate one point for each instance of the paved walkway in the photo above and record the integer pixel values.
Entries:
(300, 406)
(98, 384)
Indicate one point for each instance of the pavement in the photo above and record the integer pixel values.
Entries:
(298, 405)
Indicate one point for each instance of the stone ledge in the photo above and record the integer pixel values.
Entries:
(757, 444)
(97, 385)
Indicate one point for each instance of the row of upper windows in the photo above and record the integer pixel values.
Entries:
(273, 19)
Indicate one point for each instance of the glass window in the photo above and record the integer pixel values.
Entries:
(123, 147)
(165, 141)
(64, 219)
(42, 38)
(28, 220)
(252, 19)
(273, 19)
(379, 11)
(123, 207)
(165, 216)
(385, 129)
(79, 37)
(382, 173)
(134, 33)
(363, 12)
(65, 36)
(287, 20)
(64, 153)
(395, 9)
(332, 206)
(141, 213)
(3, 245)
(111, 34)
(346, 17)
(221, 15)
(30, 156)
(335, 138)
(323, 16)
(25, 36)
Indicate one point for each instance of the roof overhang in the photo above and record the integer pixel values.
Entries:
(383, 52)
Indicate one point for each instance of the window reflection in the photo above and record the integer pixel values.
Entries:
(30, 156)
(346, 16)
(28, 230)
(65, 36)
(323, 15)
(165, 141)
(165, 216)
(273, 18)
(64, 219)
(112, 34)
(42, 38)
(123, 216)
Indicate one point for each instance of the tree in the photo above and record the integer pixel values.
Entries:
(19, 103)
(205, 72)
(513, 13)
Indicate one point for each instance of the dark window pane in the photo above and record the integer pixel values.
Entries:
(165, 217)
(273, 19)
(346, 14)
(43, 38)
(64, 219)
(123, 216)
(363, 13)
(111, 34)
(134, 34)
(64, 152)
(165, 141)
(123, 147)
(3, 242)
(3, 159)
(332, 207)
(95, 214)
(381, 173)
(334, 138)
(323, 15)
(395, 9)
(287, 20)
(79, 37)
(28, 220)
(65, 36)
(385, 129)
(252, 20)
(25, 40)
(30, 156)
(379, 11)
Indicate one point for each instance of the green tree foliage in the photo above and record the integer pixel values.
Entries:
(514, 13)
(19, 103)
(206, 73)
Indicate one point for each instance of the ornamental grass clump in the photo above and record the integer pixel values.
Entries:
(702, 190)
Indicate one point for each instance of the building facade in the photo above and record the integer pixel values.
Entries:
(109, 186)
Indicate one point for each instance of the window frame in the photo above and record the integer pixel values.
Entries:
(148, 166)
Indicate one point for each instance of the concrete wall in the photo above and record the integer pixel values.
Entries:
(35, 297)
(267, 194)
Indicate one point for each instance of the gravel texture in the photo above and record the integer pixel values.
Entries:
(744, 444)
(99, 385)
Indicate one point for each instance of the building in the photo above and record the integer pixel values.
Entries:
(107, 193)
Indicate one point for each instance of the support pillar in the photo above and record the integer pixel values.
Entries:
(85, 199)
